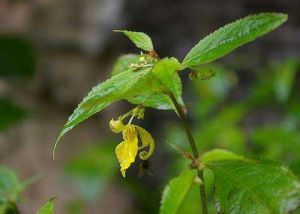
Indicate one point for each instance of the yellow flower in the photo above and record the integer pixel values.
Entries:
(127, 150)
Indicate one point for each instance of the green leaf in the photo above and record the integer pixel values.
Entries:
(175, 192)
(232, 36)
(10, 113)
(17, 57)
(47, 208)
(248, 186)
(10, 186)
(137, 86)
(165, 73)
(123, 62)
(219, 155)
(121, 86)
(140, 39)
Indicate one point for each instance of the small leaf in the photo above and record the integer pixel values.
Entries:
(47, 208)
(175, 192)
(140, 39)
(232, 36)
(248, 186)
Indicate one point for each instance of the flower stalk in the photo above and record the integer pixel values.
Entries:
(190, 137)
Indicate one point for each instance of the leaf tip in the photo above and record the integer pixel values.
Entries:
(54, 148)
(118, 31)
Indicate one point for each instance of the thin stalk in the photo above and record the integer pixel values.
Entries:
(190, 137)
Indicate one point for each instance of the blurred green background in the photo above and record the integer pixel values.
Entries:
(53, 51)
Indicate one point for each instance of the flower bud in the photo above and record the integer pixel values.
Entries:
(116, 126)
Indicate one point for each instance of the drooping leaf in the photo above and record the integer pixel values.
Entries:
(121, 86)
(175, 192)
(248, 186)
(10, 113)
(47, 208)
(123, 62)
(232, 36)
(140, 39)
(140, 86)
(17, 58)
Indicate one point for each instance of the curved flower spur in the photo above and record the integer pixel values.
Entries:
(127, 150)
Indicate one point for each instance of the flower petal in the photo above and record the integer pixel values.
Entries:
(147, 140)
(126, 152)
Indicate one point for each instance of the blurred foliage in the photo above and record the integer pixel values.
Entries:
(17, 57)
(17, 60)
(93, 169)
(10, 113)
(10, 186)
(10, 190)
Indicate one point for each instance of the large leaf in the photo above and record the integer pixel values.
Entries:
(47, 208)
(175, 192)
(248, 186)
(121, 86)
(232, 36)
(130, 85)
(17, 57)
(140, 39)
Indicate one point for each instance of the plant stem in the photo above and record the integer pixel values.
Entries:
(190, 137)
